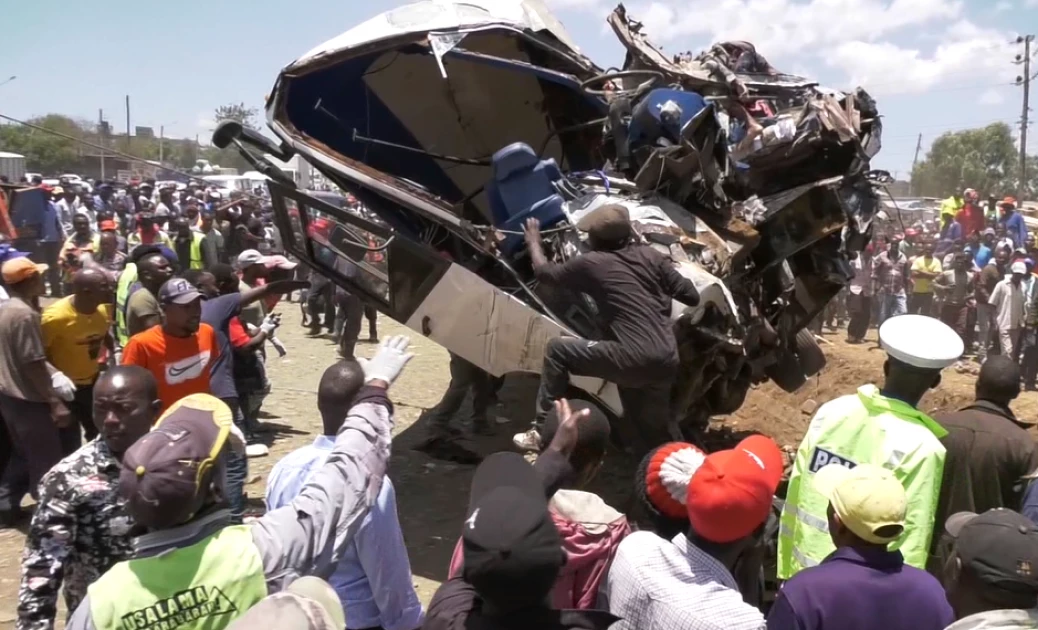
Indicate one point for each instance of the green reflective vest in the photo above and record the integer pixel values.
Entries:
(866, 427)
(196, 251)
(122, 296)
(202, 587)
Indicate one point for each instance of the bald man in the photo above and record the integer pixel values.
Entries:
(373, 577)
(75, 329)
(81, 527)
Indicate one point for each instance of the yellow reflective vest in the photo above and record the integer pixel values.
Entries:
(196, 251)
(122, 297)
(951, 206)
(205, 586)
(865, 427)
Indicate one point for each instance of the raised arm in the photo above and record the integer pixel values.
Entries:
(310, 534)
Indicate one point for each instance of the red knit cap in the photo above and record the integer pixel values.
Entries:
(666, 479)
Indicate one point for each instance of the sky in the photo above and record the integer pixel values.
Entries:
(932, 65)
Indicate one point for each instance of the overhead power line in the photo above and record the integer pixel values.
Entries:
(132, 158)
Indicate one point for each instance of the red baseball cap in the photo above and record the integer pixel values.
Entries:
(106, 226)
(730, 495)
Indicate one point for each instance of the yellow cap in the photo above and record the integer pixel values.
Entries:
(868, 499)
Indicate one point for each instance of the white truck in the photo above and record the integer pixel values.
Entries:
(12, 166)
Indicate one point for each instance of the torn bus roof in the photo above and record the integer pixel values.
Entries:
(456, 122)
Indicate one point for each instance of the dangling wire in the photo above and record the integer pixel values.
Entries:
(116, 152)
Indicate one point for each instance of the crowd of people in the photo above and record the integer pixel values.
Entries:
(889, 518)
(975, 271)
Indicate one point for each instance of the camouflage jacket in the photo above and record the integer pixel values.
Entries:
(79, 531)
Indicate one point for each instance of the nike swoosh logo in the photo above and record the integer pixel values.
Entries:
(175, 372)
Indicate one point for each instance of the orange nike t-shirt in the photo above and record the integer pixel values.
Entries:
(181, 365)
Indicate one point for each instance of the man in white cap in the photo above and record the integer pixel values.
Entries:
(879, 426)
(1007, 300)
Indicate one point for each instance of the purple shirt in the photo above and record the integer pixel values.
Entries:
(861, 589)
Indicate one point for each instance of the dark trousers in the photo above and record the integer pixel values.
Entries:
(371, 314)
(860, 308)
(6, 453)
(319, 300)
(644, 388)
(48, 252)
(237, 467)
(1029, 362)
(920, 303)
(957, 316)
(465, 376)
(36, 445)
(82, 410)
(348, 319)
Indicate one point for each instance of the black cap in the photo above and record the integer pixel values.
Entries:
(166, 473)
(178, 291)
(512, 551)
(1000, 547)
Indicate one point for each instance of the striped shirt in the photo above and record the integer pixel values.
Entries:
(674, 585)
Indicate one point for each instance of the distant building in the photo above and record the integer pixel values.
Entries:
(297, 168)
(900, 189)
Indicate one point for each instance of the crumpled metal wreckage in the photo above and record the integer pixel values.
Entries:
(453, 123)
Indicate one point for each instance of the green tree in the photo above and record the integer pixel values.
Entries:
(43, 151)
(1031, 185)
(237, 111)
(985, 159)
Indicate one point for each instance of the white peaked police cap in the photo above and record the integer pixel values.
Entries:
(920, 341)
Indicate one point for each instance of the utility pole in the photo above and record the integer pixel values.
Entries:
(918, 147)
(1024, 81)
(103, 137)
(127, 121)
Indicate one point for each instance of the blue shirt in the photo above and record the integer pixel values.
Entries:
(373, 579)
(983, 255)
(861, 589)
(1016, 229)
(50, 227)
(1029, 504)
(218, 312)
(952, 232)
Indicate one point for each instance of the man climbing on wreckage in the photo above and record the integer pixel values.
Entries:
(633, 285)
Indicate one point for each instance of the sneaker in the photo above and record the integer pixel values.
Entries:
(256, 450)
(528, 441)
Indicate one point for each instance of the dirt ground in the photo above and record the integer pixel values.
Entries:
(432, 495)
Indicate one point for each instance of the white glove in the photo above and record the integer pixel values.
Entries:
(236, 440)
(270, 323)
(389, 361)
(63, 386)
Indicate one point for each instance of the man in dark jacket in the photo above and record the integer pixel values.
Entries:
(989, 451)
(633, 286)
